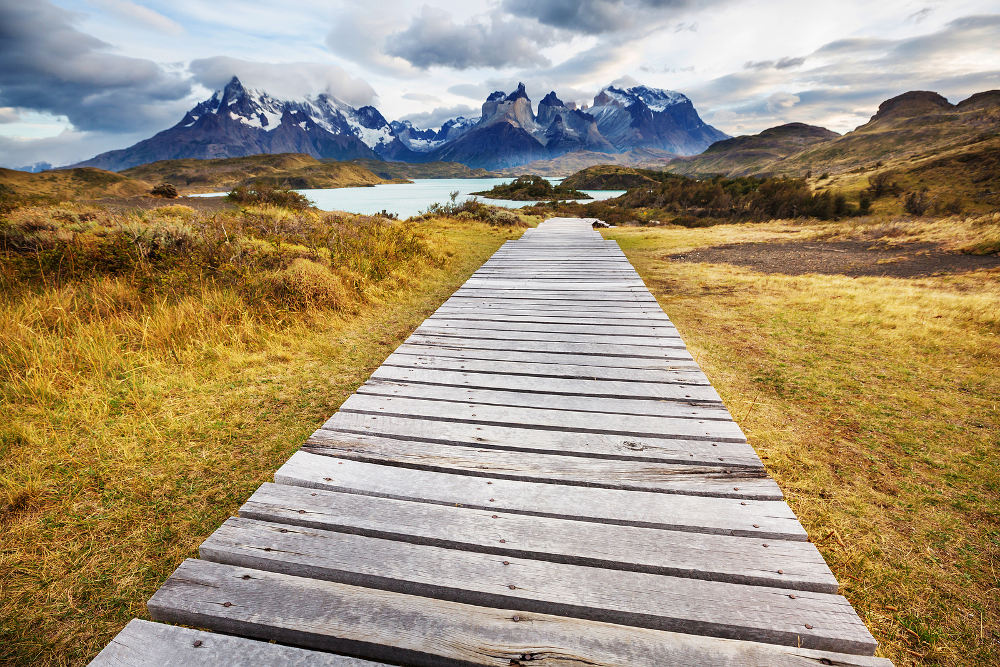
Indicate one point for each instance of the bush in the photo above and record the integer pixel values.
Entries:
(306, 284)
(864, 203)
(881, 184)
(916, 203)
(269, 196)
(165, 190)
(473, 209)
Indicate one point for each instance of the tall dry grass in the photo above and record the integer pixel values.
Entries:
(156, 367)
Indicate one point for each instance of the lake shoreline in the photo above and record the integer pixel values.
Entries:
(407, 200)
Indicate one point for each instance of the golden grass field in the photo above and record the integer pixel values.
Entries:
(132, 425)
(875, 404)
(139, 410)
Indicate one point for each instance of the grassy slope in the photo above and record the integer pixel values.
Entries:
(754, 154)
(286, 170)
(873, 403)
(422, 170)
(609, 177)
(570, 163)
(129, 436)
(65, 184)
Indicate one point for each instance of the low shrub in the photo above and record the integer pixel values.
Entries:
(305, 285)
(267, 195)
(916, 203)
(165, 190)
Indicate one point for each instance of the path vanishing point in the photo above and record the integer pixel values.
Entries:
(540, 474)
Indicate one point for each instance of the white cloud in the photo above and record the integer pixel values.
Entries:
(143, 16)
(284, 80)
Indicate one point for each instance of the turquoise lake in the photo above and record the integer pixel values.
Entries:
(409, 199)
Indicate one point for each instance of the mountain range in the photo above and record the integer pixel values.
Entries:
(237, 121)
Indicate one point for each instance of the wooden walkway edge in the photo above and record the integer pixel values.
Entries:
(541, 473)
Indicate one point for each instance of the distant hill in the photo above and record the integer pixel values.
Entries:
(913, 126)
(613, 177)
(66, 184)
(284, 170)
(754, 154)
(391, 170)
(570, 163)
(919, 138)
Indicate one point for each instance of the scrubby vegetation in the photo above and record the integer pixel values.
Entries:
(157, 366)
(613, 177)
(266, 195)
(165, 190)
(699, 202)
(265, 252)
(532, 188)
(473, 209)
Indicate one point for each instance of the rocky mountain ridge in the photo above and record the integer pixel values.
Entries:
(236, 121)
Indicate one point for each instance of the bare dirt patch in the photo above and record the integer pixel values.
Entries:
(849, 258)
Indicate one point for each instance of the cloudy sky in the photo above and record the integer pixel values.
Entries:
(78, 77)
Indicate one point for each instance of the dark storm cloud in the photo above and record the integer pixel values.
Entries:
(48, 65)
(434, 39)
(601, 16)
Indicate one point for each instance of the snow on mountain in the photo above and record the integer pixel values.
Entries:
(645, 117)
(236, 121)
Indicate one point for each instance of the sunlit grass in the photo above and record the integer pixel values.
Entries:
(875, 404)
(135, 419)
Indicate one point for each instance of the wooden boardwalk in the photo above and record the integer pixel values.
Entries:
(540, 474)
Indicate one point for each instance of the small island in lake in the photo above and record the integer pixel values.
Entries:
(532, 188)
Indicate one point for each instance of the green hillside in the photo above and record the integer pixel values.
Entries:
(407, 170)
(66, 184)
(282, 170)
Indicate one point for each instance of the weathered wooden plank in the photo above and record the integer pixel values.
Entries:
(772, 519)
(489, 375)
(552, 307)
(698, 556)
(559, 441)
(648, 330)
(580, 297)
(661, 602)
(554, 302)
(616, 350)
(577, 317)
(430, 328)
(534, 394)
(145, 644)
(671, 359)
(539, 285)
(675, 366)
(653, 476)
(587, 422)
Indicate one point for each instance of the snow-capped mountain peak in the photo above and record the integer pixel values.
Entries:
(656, 99)
(237, 121)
